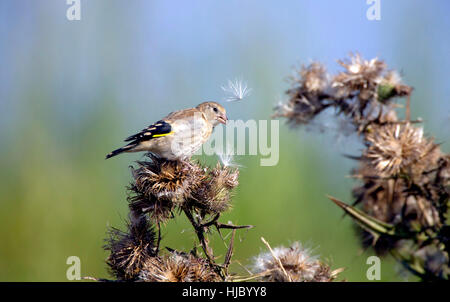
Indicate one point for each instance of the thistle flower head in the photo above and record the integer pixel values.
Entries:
(299, 109)
(297, 262)
(359, 75)
(311, 79)
(225, 176)
(309, 85)
(413, 203)
(177, 267)
(160, 185)
(214, 195)
(362, 93)
(158, 210)
(405, 189)
(236, 90)
(394, 148)
(129, 250)
(172, 180)
(358, 66)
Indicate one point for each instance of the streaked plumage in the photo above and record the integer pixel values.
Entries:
(179, 135)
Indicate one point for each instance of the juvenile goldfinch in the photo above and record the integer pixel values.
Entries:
(179, 135)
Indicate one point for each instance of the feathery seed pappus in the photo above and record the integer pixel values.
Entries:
(179, 135)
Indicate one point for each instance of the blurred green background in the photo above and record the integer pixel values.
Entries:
(70, 91)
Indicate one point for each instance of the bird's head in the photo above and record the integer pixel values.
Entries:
(214, 112)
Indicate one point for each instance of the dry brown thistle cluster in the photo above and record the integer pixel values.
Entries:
(403, 199)
(363, 92)
(162, 186)
(160, 190)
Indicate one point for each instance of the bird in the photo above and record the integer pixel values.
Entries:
(179, 135)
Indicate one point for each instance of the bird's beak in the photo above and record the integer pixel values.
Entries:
(222, 119)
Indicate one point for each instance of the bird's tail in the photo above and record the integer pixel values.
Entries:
(120, 150)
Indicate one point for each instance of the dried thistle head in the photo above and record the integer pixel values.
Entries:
(225, 176)
(297, 111)
(172, 180)
(306, 97)
(359, 75)
(214, 195)
(297, 262)
(362, 92)
(413, 203)
(177, 267)
(365, 89)
(405, 191)
(399, 148)
(311, 79)
(129, 250)
(158, 210)
(161, 185)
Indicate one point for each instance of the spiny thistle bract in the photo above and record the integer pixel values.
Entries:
(404, 197)
(298, 264)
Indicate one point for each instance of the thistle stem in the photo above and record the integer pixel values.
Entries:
(200, 231)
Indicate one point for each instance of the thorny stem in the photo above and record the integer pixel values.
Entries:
(159, 239)
(212, 222)
(233, 227)
(200, 231)
(229, 254)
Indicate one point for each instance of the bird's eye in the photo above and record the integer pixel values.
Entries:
(215, 109)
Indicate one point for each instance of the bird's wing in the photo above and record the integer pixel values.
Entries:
(183, 121)
(158, 129)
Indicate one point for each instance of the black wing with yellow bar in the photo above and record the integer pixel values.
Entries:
(158, 129)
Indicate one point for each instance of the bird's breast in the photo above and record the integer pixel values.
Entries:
(189, 135)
